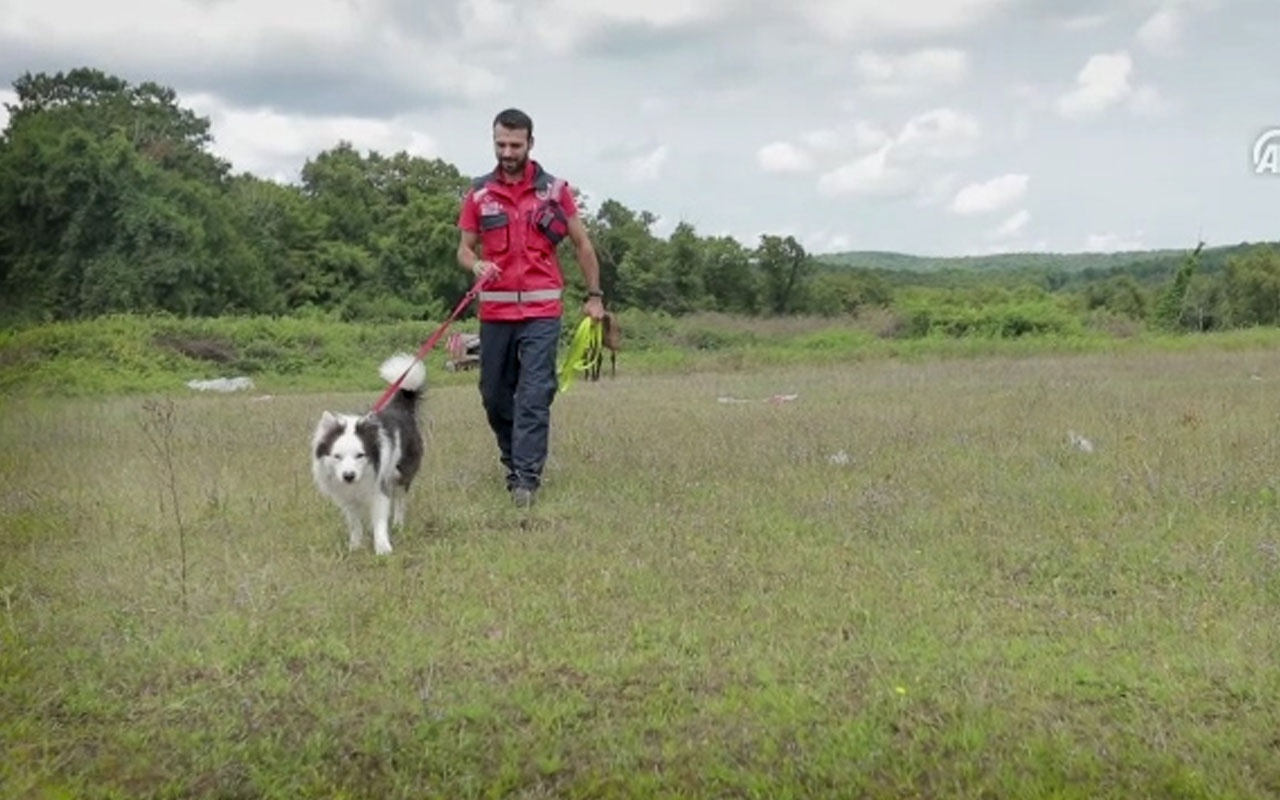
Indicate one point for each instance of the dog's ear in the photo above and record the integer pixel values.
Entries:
(328, 429)
(330, 425)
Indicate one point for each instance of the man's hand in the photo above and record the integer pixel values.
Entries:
(594, 308)
(485, 271)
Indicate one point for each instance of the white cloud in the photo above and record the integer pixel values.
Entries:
(912, 71)
(825, 242)
(6, 96)
(1112, 242)
(1161, 32)
(164, 27)
(1148, 101)
(485, 21)
(326, 37)
(860, 136)
(872, 175)
(1101, 83)
(275, 145)
(788, 157)
(866, 136)
(783, 157)
(647, 166)
(406, 63)
(991, 195)
(658, 13)
(1083, 22)
(824, 139)
(935, 191)
(866, 19)
(562, 25)
(940, 133)
(1105, 81)
(901, 165)
(1012, 225)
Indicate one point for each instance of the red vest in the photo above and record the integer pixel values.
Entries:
(520, 226)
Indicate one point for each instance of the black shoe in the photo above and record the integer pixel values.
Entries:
(523, 496)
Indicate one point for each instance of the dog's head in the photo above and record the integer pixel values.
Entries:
(347, 446)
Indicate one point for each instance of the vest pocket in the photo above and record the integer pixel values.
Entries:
(494, 235)
(551, 225)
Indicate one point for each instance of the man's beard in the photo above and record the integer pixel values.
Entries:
(513, 166)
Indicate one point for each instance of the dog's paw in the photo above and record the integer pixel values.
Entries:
(382, 548)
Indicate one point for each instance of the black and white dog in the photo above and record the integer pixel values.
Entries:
(366, 463)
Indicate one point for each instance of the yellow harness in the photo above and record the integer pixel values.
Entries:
(584, 347)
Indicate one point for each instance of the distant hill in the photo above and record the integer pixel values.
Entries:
(1053, 271)
(1004, 262)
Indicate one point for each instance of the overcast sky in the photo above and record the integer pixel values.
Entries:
(921, 126)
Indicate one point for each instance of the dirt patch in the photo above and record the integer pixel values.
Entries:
(218, 351)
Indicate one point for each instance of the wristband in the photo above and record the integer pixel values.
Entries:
(595, 293)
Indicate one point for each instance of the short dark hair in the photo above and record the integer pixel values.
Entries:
(514, 119)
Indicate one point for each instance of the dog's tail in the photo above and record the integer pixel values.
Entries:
(411, 386)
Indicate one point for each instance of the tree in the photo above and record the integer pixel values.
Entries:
(1119, 295)
(101, 219)
(785, 267)
(148, 115)
(286, 232)
(846, 291)
(683, 270)
(1168, 315)
(1206, 308)
(730, 278)
(1253, 286)
(615, 232)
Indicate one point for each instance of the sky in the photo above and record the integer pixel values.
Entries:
(932, 127)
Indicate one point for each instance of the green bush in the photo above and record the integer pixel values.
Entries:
(1009, 320)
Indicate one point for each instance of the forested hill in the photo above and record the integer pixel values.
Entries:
(1044, 262)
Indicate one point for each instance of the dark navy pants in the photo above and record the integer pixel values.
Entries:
(518, 383)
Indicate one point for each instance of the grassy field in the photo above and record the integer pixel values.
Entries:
(906, 581)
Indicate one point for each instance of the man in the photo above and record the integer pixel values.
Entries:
(515, 216)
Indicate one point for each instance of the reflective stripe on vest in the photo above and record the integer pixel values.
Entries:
(520, 297)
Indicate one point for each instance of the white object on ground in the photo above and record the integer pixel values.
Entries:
(1079, 442)
(221, 384)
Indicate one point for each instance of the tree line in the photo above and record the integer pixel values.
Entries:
(113, 202)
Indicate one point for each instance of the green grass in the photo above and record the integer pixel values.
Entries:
(702, 604)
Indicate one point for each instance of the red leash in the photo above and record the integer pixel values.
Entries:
(428, 344)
